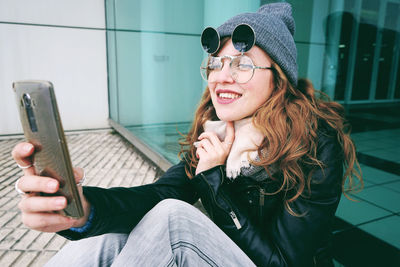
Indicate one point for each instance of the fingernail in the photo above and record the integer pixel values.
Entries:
(27, 147)
(60, 202)
(52, 185)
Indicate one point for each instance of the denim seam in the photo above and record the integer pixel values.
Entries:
(170, 262)
(195, 249)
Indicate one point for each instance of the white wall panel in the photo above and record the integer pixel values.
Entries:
(73, 59)
(86, 13)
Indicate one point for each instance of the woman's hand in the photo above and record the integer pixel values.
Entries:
(38, 211)
(211, 151)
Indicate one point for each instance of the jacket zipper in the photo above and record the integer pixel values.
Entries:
(232, 214)
(262, 196)
(261, 203)
(235, 220)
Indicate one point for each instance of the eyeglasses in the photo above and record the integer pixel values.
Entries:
(241, 68)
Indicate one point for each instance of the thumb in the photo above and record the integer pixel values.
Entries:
(79, 174)
(230, 133)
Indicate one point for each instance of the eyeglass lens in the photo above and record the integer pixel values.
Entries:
(241, 68)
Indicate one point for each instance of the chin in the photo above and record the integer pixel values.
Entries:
(229, 117)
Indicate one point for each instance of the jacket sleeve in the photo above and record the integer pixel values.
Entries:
(119, 209)
(286, 240)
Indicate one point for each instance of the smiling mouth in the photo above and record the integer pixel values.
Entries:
(228, 95)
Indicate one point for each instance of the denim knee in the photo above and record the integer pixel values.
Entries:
(172, 207)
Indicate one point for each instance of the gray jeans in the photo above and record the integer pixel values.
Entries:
(173, 233)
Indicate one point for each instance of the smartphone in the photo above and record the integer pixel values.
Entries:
(42, 127)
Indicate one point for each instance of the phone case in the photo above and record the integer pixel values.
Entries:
(42, 127)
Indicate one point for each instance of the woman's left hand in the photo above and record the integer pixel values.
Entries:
(211, 151)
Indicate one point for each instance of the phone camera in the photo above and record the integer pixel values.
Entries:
(27, 100)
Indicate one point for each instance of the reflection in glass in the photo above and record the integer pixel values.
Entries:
(387, 48)
(366, 43)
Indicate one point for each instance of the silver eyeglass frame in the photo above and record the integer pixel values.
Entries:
(221, 58)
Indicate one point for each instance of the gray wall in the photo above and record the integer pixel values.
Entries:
(61, 41)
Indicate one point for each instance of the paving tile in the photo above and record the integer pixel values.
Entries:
(376, 176)
(395, 186)
(108, 161)
(11, 204)
(7, 217)
(41, 241)
(356, 212)
(386, 229)
(3, 201)
(26, 258)
(4, 232)
(42, 258)
(381, 197)
(15, 221)
(6, 190)
(9, 258)
(26, 241)
(12, 238)
(56, 243)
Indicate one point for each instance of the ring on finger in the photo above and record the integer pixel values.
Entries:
(24, 167)
(19, 191)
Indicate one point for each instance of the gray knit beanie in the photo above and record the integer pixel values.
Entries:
(274, 28)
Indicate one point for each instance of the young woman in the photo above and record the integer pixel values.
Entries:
(265, 155)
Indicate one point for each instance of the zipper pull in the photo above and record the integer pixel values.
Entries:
(235, 220)
(262, 195)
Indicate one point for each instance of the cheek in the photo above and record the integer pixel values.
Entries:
(211, 87)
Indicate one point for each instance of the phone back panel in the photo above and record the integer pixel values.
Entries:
(42, 127)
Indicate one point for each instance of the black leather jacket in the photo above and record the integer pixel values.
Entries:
(255, 220)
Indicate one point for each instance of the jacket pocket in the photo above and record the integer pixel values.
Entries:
(223, 204)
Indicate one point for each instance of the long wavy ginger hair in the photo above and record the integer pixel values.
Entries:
(289, 121)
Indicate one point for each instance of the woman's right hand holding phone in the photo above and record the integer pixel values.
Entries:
(38, 211)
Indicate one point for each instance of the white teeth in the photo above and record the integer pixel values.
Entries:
(228, 95)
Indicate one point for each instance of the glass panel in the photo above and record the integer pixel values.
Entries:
(160, 15)
(154, 55)
(158, 78)
(365, 49)
(389, 33)
(339, 28)
(348, 24)
(397, 90)
(111, 61)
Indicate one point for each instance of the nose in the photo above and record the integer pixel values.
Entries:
(223, 75)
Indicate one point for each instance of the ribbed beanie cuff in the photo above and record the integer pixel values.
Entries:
(274, 28)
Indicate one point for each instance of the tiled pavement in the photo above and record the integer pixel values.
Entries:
(108, 160)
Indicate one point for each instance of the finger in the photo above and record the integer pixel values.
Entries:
(230, 134)
(79, 174)
(200, 152)
(22, 155)
(47, 222)
(206, 145)
(42, 204)
(212, 137)
(32, 183)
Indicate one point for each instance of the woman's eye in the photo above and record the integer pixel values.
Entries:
(214, 66)
(245, 66)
